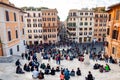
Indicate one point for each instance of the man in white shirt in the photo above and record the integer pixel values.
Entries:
(35, 73)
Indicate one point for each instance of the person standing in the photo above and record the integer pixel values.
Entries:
(62, 76)
(59, 59)
(67, 74)
(26, 55)
(22, 55)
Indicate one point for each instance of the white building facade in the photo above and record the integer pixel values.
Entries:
(33, 20)
(81, 25)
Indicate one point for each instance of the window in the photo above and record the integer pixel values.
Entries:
(91, 13)
(34, 20)
(104, 29)
(90, 23)
(39, 25)
(74, 24)
(85, 33)
(81, 19)
(104, 24)
(28, 20)
(7, 15)
(34, 25)
(28, 31)
(39, 20)
(113, 50)
(90, 18)
(96, 20)
(48, 19)
(95, 30)
(85, 28)
(117, 14)
(81, 13)
(24, 42)
(80, 33)
(53, 24)
(74, 14)
(35, 36)
(40, 36)
(39, 14)
(101, 16)
(101, 20)
(86, 13)
(90, 28)
(95, 34)
(17, 48)
(109, 17)
(48, 13)
(48, 24)
(80, 39)
(100, 24)
(100, 30)
(85, 23)
(9, 36)
(34, 15)
(11, 52)
(86, 19)
(74, 19)
(96, 15)
(53, 19)
(108, 31)
(96, 24)
(81, 23)
(114, 34)
(14, 16)
(28, 25)
(28, 14)
(99, 34)
(16, 33)
(44, 30)
(90, 33)
(34, 31)
(23, 32)
(22, 18)
(81, 29)
(30, 36)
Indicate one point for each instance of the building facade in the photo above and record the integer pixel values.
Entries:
(113, 31)
(33, 20)
(80, 25)
(50, 25)
(100, 21)
(12, 26)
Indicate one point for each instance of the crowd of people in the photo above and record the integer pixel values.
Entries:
(102, 68)
(50, 51)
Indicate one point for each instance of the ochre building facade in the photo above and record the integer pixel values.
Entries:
(113, 32)
(11, 29)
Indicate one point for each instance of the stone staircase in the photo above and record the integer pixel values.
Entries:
(9, 59)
